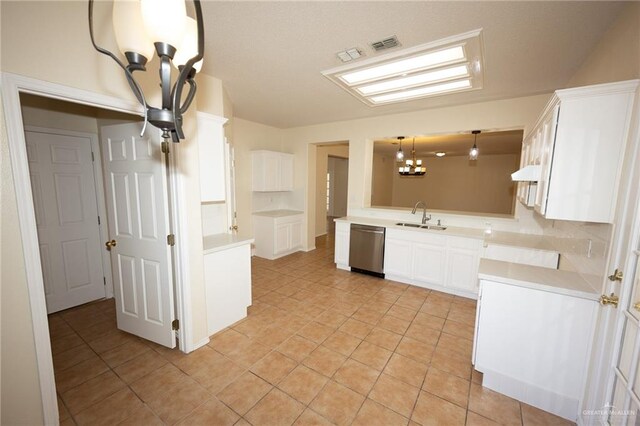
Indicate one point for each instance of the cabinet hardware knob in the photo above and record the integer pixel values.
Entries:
(636, 306)
(612, 299)
(616, 276)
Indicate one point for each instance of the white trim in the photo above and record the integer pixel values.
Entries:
(12, 85)
(100, 198)
(200, 344)
(417, 283)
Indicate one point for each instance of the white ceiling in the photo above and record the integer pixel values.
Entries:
(506, 142)
(270, 55)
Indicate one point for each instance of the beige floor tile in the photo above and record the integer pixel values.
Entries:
(80, 373)
(324, 361)
(532, 416)
(415, 349)
(244, 393)
(142, 416)
(342, 343)
(67, 422)
(374, 414)
(111, 340)
(406, 369)
(331, 318)
(156, 383)
(452, 362)
(212, 412)
(356, 376)
(315, 332)
(99, 329)
(272, 336)
(121, 354)
(65, 343)
(459, 345)
(436, 308)
(303, 384)
(177, 401)
(368, 315)
(371, 355)
(431, 410)
(311, 418)
(476, 376)
(273, 367)
(447, 386)
(198, 359)
(112, 410)
(395, 394)
(384, 338)
(217, 375)
(409, 302)
(356, 328)
(337, 403)
(249, 353)
(402, 313)
(276, 408)
(71, 357)
(418, 331)
(474, 419)
(82, 396)
(459, 329)
(494, 406)
(140, 366)
(227, 341)
(297, 347)
(379, 305)
(394, 324)
(63, 412)
(430, 321)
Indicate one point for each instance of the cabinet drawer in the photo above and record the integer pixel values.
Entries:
(288, 219)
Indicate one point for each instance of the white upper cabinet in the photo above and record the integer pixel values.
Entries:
(579, 141)
(272, 171)
(212, 158)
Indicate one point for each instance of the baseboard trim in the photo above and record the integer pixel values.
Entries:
(199, 344)
(443, 289)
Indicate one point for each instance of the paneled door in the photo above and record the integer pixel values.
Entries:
(138, 217)
(64, 197)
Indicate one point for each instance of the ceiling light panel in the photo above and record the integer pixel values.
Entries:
(453, 64)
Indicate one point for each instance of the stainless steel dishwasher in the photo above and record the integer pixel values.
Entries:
(366, 249)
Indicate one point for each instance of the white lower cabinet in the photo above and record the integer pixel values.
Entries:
(534, 345)
(341, 253)
(277, 233)
(429, 260)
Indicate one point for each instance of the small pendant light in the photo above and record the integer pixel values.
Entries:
(400, 153)
(473, 152)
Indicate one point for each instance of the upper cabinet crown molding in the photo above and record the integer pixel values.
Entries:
(272, 171)
(579, 141)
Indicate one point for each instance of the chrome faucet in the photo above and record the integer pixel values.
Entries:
(424, 211)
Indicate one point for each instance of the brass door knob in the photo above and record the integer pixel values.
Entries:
(110, 244)
(612, 299)
(637, 306)
(234, 227)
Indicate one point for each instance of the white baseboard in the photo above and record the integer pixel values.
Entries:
(310, 248)
(443, 289)
(343, 266)
(552, 402)
(199, 344)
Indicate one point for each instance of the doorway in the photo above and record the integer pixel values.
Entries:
(332, 182)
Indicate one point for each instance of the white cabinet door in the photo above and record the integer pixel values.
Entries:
(428, 263)
(462, 269)
(211, 146)
(397, 257)
(548, 131)
(285, 169)
(295, 234)
(341, 252)
(282, 240)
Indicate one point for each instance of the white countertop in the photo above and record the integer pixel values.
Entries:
(278, 213)
(219, 242)
(537, 278)
(537, 242)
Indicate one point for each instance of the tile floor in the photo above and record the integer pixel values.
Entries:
(320, 346)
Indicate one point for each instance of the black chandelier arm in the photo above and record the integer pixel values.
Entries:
(135, 87)
(186, 75)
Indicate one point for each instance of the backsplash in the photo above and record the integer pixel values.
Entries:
(572, 240)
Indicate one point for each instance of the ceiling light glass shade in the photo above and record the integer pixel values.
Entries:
(424, 78)
(440, 154)
(189, 46)
(399, 155)
(473, 153)
(422, 91)
(164, 20)
(129, 29)
(427, 60)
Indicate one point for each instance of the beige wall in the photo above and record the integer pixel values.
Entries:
(49, 41)
(382, 172)
(451, 183)
(322, 157)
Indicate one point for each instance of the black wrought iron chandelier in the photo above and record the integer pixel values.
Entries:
(140, 26)
(413, 166)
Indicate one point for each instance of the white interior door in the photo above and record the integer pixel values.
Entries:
(64, 197)
(137, 210)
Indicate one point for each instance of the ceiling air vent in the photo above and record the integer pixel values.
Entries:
(387, 43)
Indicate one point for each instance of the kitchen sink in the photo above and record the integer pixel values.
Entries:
(417, 225)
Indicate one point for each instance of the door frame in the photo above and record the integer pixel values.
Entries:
(98, 176)
(12, 85)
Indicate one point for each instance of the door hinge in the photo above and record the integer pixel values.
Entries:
(164, 146)
(171, 240)
(175, 324)
(93, 158)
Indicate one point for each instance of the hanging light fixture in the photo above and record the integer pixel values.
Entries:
(400, 153)
(413, 166)
(473, 152)
(141, 26)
